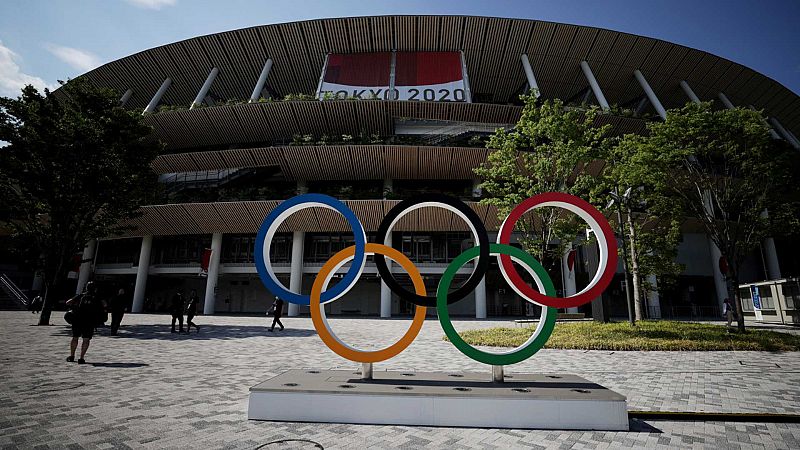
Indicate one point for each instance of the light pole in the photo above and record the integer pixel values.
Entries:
(619, 199)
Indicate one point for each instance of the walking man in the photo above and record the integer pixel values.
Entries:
(277, 312)
(191, 310)
(118, 304)
(176, 308)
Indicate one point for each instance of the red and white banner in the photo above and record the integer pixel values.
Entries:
(205, 260)
(411, 76)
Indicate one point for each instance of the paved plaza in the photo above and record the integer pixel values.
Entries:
(148, 388)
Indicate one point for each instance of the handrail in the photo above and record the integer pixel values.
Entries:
(13, 290)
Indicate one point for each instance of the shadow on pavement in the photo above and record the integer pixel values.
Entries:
(119, 365)
(207, 332)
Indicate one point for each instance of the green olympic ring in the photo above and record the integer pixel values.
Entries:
(543, 330)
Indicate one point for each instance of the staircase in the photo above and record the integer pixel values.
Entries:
(11, 296)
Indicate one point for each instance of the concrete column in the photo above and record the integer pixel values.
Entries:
(87, 267)
(720, 284)
(141, 274)
(771, 254)
(262, 80)
(650, 94)
(526, 65)
(725, 101)
(785, 133)
(480, 299)
(386, 293)
(598, 94)
(125, 97)
(157, 98)
(201, 95)
(38, 281)
(689, 92)
(568, 278)
(296, 276)
(213, 275)
(654, 300)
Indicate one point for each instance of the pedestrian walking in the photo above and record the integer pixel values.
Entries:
(118, 305)
(191, 310)
(728, 312)
(87, 312)
(176, 308)
(277, 312)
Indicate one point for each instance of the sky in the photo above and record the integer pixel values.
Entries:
(42, 41)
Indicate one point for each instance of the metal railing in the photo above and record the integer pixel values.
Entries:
(13, 290)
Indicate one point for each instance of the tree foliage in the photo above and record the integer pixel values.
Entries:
(75, 167)
(544, 152)
(723, 169)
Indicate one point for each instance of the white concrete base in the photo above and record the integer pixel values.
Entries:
(560, 402)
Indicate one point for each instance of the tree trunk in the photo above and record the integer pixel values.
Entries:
(637, 296)
(47, 308)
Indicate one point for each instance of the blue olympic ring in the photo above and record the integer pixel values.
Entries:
(275, 218)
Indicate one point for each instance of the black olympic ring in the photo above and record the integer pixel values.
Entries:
(454, 205)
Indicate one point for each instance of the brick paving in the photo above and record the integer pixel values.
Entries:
(148, 388)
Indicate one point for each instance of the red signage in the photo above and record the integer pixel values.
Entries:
(412, 76)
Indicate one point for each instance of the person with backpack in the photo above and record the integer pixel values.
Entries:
(87, 311)
(191, 311)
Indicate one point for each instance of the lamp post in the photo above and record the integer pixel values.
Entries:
(629, 297)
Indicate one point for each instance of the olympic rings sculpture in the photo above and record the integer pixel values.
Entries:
(543, 295)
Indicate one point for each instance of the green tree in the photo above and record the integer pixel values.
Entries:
(650, 216)
(75, 167)
(545, 152)
(725, 170)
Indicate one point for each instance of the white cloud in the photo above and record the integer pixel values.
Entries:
(12, 78)
(152, 4)
(76, 58)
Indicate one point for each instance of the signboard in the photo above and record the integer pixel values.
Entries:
(410, 76)
(756, 296)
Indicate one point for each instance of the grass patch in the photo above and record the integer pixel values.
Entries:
(647, 335)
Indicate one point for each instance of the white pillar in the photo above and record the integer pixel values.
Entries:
(87, 266)
(296, 276)
(725, 101)
(720, 285)
(262, 79)
(210, 300)
(157, 98)
(689, 92)
(480, 299)
(201, 95)
(655, 301)
(526, 65)
(568, 278)
(38, 281)
(125, 97)
(598, 94)
(771, 254)
(141, 274)
(650, 94)
(785, 133)
(386, 293)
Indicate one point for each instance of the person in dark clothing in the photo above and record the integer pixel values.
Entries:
(176, 308)
(89, 310)
(191, 310)
(277, 312)
(35, 306)
(118, 305)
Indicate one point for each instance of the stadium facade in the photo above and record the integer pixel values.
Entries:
(372, 110)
